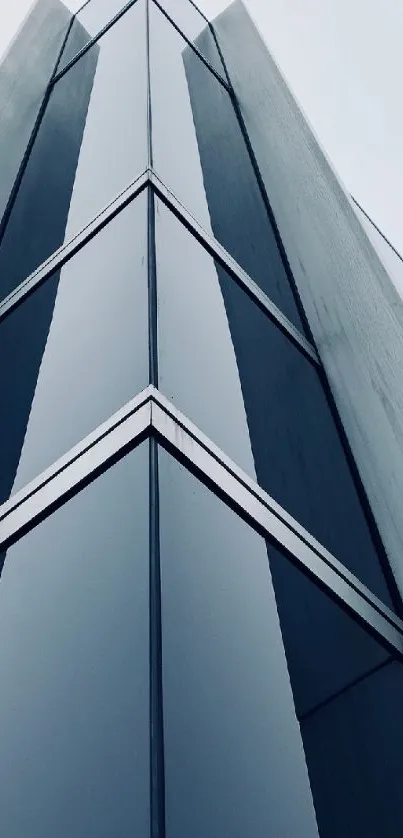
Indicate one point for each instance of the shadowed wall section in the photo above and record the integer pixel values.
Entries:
(353, 308)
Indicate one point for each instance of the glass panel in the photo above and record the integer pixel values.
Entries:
(91, 144)
(348, 693)
(94, 16)
(74, 666)
(230, 370)
(195, 27)
(201, 155)
(36, 46)
(84, 351)
(233, 755)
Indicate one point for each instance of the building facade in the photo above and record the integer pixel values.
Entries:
(200, 599)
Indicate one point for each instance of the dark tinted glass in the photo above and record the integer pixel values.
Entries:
(89, 21)
(195, 28)
(348, 693)
(84, 351)
(230, 370)
(201, 155)
(233, 754)
(91, 144)
(37, 46)
(74, 664)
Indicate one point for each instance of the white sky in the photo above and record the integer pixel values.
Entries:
(344, 62)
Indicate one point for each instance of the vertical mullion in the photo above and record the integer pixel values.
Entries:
(149, 114)
(157, 767)
(157, 762)
(151, 248)
(152, 289)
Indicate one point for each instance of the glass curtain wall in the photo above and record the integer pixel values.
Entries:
(168, 671)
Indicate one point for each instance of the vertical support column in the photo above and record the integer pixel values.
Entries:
(152, 281)
(157, 768)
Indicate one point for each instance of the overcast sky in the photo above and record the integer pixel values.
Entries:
(344, 62)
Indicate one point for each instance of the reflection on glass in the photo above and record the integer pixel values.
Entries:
(175, 152)
(91, 144)
(89, 22)
(233, 755)
(348, 693)
(197, 362)
(74, 664)
(84, 353)
(195, 27)
(202, 156)
(231, 371)
(37, 46)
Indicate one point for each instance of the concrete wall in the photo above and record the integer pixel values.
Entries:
(353, 308)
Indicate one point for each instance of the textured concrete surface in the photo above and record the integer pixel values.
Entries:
(353, 307)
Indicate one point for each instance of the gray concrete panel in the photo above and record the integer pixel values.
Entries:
(353, 308)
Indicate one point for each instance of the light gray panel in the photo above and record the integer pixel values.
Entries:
(386, 253)
(353, 307)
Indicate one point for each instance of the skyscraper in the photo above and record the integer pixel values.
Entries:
(200, 600)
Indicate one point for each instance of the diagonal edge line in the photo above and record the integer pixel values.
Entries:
(81, 449)
(114, 20)
(307, 714)
(92, 41)
(157, 405)
(274, 508)
(193, 47)
(10, 203)
(80, 471)
(192, 3)
(216, 250)
(378, 229)
(102, 218)
(81, 8)
(67, 250)
(361, 607)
